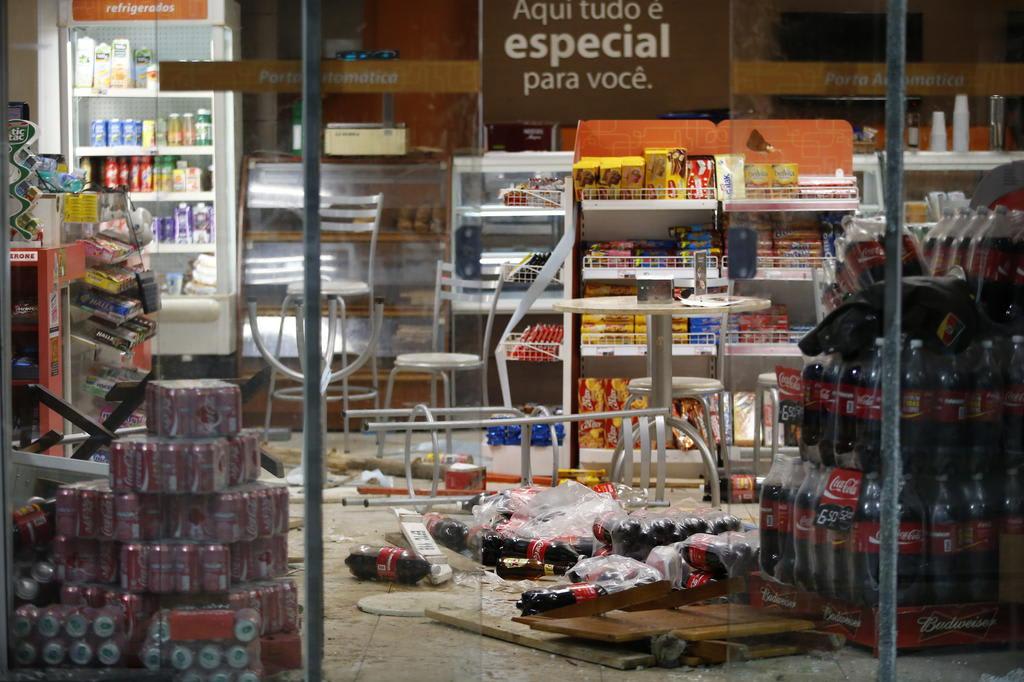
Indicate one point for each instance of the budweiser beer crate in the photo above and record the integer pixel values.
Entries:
(918, 627)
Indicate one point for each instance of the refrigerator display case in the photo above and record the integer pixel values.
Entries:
(193, 212)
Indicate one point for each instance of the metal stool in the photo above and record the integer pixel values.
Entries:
(701, 389)
(766, 383)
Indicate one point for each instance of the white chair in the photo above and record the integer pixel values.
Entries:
(353, 215)
(438, 362)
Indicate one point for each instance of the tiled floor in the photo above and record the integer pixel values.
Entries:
(361, 646)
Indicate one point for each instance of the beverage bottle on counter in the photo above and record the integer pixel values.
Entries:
(545, 551)
(33, 524)
(911, 586)
(984, 408)
(545, 599)
(915, 406)
(847, 419)
(448, 532)
(392, 564)
(867, 446)
(803, 528)
(943, 524)
(511, 568)
(1013, 407)
(949, 432)
(936, 237)
(771, 495)
(485, 544)
(827, 392)
(812, 424)
(978, 555)
(787, 503)
(862, 551)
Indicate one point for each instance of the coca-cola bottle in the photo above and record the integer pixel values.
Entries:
(544, 551)
(915, 407)
(1013, 407)
(984, 409)
(992, 265)
(978, 555)
(447, 532)
(943, 521)
(392, 564)
(945, 248)
(540, 600)
(787, 503)
(949, 431)
(935, 238)
(1015, 309)
(911, 585)
(803, 527)
(862, 550)
(485, 544)
(771, 494)
(812, 423)
(846, 410)
(867, 447)
(827, 395)
(821, 540)
(963, 237)
(1008, 499)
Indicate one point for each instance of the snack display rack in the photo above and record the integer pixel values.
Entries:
(200, 321)
(735, 356)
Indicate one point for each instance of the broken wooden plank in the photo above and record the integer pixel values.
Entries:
(503, 629)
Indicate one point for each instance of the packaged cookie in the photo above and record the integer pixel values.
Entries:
(585, 175)
(655, 173)
(785, 180)
(610, 177)
(700, 177)
(591, 399)
(631, 186)
(758, 178)
(677, 169)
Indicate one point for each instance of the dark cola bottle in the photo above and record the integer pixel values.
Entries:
(978, 555)
(787, 502)
(1015, 309)
(544, 551)
(935, 238)
(722, 522)
(964, 237)
(949, 430)
(992, 266)
(769, 518)
(540, 600)
(915, 407)
(840, 485)
(867, 446)
(984, 409)
(862, 563)
(1013, 407)
(511, 568)
(943, 523)
(485, 543)
(392, 564)
(629, 539)
(846, 410)
(911, 585)
(447, 532)
(812, 423)
(803, 528)
(605, 524)
(827, 393)
(1008, 498)
(823, 572)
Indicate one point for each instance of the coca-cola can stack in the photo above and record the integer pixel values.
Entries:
(961, 417)
(77, 635)
(205, 644)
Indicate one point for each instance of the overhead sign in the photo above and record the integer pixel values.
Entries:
(565, 60)
(869, 78)
(380, 76)
(114, 10)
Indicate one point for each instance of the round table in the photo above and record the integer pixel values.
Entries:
(659, 330)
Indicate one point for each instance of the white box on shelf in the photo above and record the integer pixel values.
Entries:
(346, 140)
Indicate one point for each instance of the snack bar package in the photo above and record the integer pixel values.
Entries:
(632, 183)
(700, 177)
(585, 175)
(610, 178)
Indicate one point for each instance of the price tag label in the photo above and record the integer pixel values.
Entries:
(838, 501)
(791, 406)
(82, 208)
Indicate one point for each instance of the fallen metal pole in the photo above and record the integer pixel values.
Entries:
(390, 501)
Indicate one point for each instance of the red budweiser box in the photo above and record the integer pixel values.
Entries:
(918, 627)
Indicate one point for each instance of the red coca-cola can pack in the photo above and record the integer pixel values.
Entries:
(148, 470)
(105, 516)
(127, 517)
(122, 466)
(67, 510)
(207, 466)
(88, 513)
(187, 574)
(135, 567)
(227, 511)
(200, 408)
(215, 564)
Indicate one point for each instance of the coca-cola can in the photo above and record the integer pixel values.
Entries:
(151, 517)
(106, 561)
(108, 620)
(168, 409)
(289, 606)
(205, 416)
(122, 466)
(241, 562)
(135, 567)
(88, 513)
(82, 563)
(215, 562)
(282, 508)
(247, 624)
(127, 517)
(174, 463)
(207, 467)
(160, 565)
(270, 609)
(226, 514)
(262, 559)
(266, 515)
(251, 448)
(60, 552)
(95, 595)
(67, 510)
(279, 554)
(238, 598)
(147, 467)
(51, 621)
(105, 527)
(72, 595)
(186, 568)
(236, 461)
(229, 402)
(25, 618)
(250, 519)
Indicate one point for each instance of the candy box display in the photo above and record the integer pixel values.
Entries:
(193, 408)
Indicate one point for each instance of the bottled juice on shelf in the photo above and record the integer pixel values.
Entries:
(174, 130)
(188, 130)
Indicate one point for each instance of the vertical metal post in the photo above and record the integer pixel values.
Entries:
(313, 414)
(6, 429)
(895, 97)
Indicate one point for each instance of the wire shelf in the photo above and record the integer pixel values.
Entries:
(524, 274)
(648, 193)
(532, 351)
(687, 261)
(532, 198)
